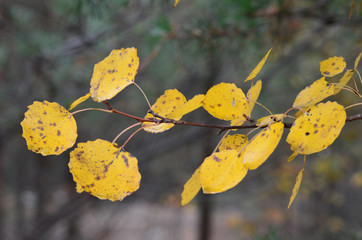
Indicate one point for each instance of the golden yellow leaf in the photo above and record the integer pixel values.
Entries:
(296, 187)
(79, 101)
(165, 104)
(291, 157)
(317, 129)
(101, 169)
(332, 66)
(225, 101)
(257, 69)
(114, 73)
(311, 95)
(265, 121)
(176, 2)
(187, 107)
(356, 62)
(252, 95)
(221, 171)
(343, 81)
(48, 128)
(257, 151)
(236, 142)
(191, 188)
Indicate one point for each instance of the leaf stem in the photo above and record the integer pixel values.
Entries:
(125, 130)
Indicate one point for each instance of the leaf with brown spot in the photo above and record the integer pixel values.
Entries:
(48, 128)
(317, 129)
(332, 66)
(103, 170)
(236, 142)
(221, 171)
(114, 73)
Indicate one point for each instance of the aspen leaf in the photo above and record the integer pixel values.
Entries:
(316, 130)
(101, 169)
(252, 95)
(257, 151)
(221, 171)
(265, 121)
(332, 66)
(309, 96)
(343, 81)
(187, 107)
(191, 188)
(48, 128)
(236, 142)
(225, 101)
(291, 157)
(114, 73)
(176, 2)
(79, 101)
(257, 69)
(165, 104)
(296, 187)
(356, 62)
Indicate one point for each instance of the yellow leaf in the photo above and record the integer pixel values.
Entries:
(311, 95)
(257, 69)
(252, 96)
(296, 187)
(48, 128)
(257, 151)
(317, 129)
(79, 101)
(221, 171)
(343, 81)
(236, 142)
(356, 62)
(165, 104)
(187, 107)
(176, 2)
(291, 157)
(332, 66)
(225, 101)
(265, 121)
(114, 73)
(191, 188)
(101, 169)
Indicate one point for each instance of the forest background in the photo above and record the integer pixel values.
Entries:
(48, 50)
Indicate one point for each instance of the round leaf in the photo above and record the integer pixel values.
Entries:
(332, 66)
(101, 169)
(48, 128)
(317, 129)
(225, 101)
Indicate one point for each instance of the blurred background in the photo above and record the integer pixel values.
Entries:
(47, 52)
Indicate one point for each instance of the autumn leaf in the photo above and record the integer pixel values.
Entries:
(257, 69)
(191, 188)
(48, 128)
(221, 171)
(103, 170)
(311, 95)
(225, 101)
(317, 129)
(332, 66)
(257, 151)
(114, 73)
(356, 62)
(252, 95)
(187, 107)
(176, 2)
(267, 120)
(165, 104)
(343, 81)
(296, 187)
(79, 101)
(236, 142)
